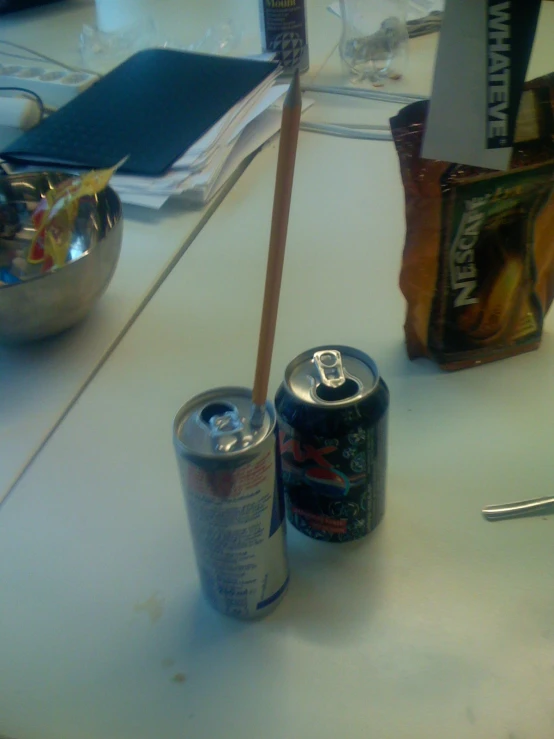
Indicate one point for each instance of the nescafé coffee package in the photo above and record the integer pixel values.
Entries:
(478, 263)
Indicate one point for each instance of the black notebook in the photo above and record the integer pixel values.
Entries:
(151, 108)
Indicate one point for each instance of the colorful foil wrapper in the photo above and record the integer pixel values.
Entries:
(54, 217)
(478, 262)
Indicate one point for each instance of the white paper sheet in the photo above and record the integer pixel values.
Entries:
(197, 189)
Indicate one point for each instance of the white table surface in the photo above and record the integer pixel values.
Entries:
(438, 625)
(40, 382)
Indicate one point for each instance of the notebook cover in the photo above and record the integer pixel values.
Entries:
(151, 108)
(11, 6)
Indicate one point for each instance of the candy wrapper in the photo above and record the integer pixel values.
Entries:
(54, 217)
(478, 263)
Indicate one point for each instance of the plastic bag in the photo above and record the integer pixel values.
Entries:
(478, 262)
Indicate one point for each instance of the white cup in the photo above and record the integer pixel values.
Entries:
(113, 15)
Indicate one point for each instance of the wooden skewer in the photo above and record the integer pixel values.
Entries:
(290, 125)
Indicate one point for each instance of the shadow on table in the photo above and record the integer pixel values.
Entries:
(311, 607)
(394, 362)
(334, 589)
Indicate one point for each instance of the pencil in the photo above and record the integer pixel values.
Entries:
(290, 124)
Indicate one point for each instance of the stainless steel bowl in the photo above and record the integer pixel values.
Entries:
(48, 303)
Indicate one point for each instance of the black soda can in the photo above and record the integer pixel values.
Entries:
(332, 410)
(283, 27)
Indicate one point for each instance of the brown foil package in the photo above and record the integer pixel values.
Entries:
(478, 263)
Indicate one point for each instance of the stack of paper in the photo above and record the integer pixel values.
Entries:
(203, 170)
(207, 165)
(180, 123)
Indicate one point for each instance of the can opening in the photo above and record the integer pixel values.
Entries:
(348, 389)
(215, 409)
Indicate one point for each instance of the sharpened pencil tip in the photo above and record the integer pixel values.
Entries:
(294, 94)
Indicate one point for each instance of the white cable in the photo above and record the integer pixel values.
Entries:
(362, 126)
(50, 59)
(346, 132)
(368, 132)
(388, 97)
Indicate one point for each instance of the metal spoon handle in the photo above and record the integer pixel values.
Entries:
(519, 508)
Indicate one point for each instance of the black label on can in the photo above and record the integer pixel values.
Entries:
(284, 29)
(335, 487)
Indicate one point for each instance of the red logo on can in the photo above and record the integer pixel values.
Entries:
(311, 463)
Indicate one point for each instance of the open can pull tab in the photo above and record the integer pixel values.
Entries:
(329, 366)
(226, 431)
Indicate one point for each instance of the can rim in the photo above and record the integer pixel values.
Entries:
(186, 409)
(347, 351)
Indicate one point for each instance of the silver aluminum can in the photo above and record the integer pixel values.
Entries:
(234, 501)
